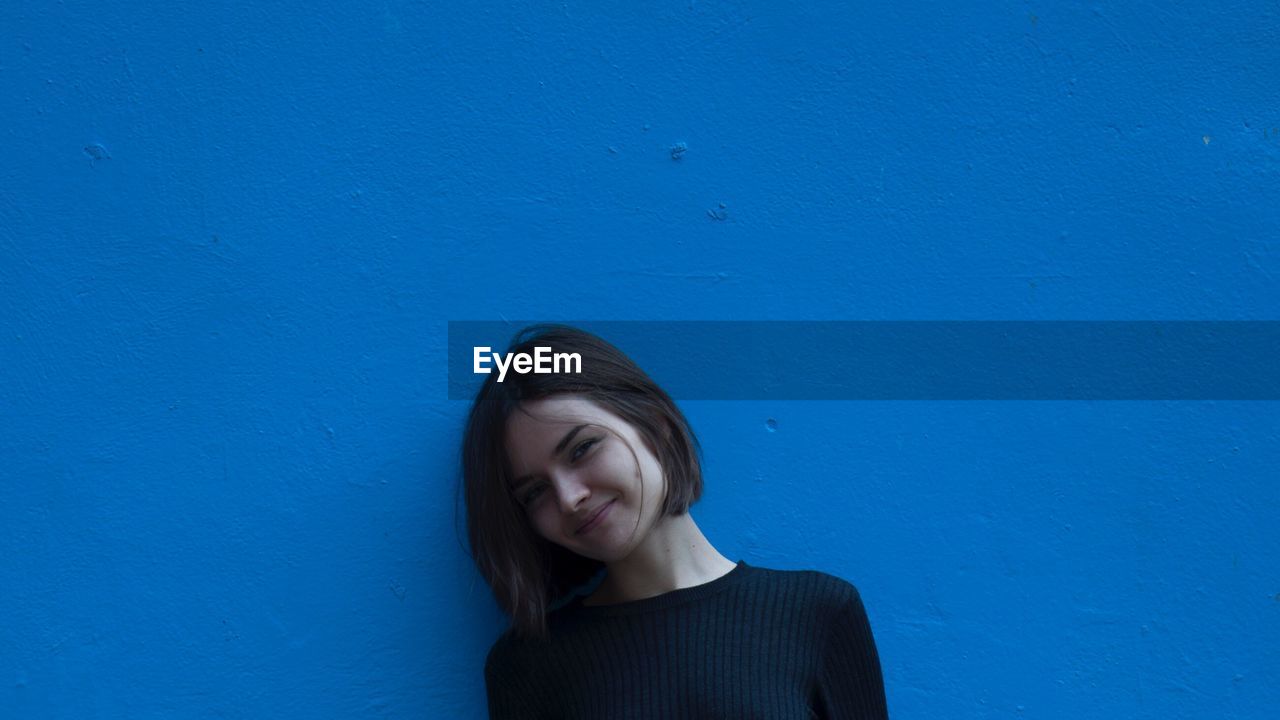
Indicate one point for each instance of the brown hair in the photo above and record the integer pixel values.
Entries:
(526, 572)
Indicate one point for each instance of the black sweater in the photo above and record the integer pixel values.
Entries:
(754, 643)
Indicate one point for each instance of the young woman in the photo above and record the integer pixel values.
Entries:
(568, 476)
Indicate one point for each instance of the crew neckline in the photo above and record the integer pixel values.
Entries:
(667, 599)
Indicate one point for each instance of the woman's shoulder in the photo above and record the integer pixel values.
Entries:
(811, 588)
(514, 649)
(500, 651)
(509, 652)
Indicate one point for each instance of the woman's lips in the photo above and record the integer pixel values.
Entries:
(595, 519)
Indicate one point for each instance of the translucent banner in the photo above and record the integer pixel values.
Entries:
(914, 360)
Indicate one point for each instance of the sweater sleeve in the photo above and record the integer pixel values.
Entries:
(850, 685)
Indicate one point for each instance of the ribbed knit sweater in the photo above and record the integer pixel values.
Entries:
(754, 643)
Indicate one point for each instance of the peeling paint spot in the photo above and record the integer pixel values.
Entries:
(1206, 139)
(397, 589)
(678, 150)
(97, 152)
(771, 425)
(720, 213)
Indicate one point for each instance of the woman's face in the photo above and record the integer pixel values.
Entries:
(578, 480)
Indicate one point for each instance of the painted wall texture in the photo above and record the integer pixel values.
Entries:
(232, 234)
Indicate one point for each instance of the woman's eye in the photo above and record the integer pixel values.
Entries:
(582, 449)
(531, 495)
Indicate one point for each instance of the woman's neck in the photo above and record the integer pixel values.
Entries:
(674, 555)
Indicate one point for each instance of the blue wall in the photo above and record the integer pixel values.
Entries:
(231, 238)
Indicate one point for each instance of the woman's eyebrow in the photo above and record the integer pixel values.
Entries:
(564, 441)
(568, 438)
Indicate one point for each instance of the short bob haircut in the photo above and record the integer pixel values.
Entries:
(527, 573)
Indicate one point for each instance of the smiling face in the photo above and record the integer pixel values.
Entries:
(577, 478)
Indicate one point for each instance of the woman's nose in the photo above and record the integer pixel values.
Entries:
(571, 492)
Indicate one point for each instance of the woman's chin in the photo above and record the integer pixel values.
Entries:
(603, 550)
